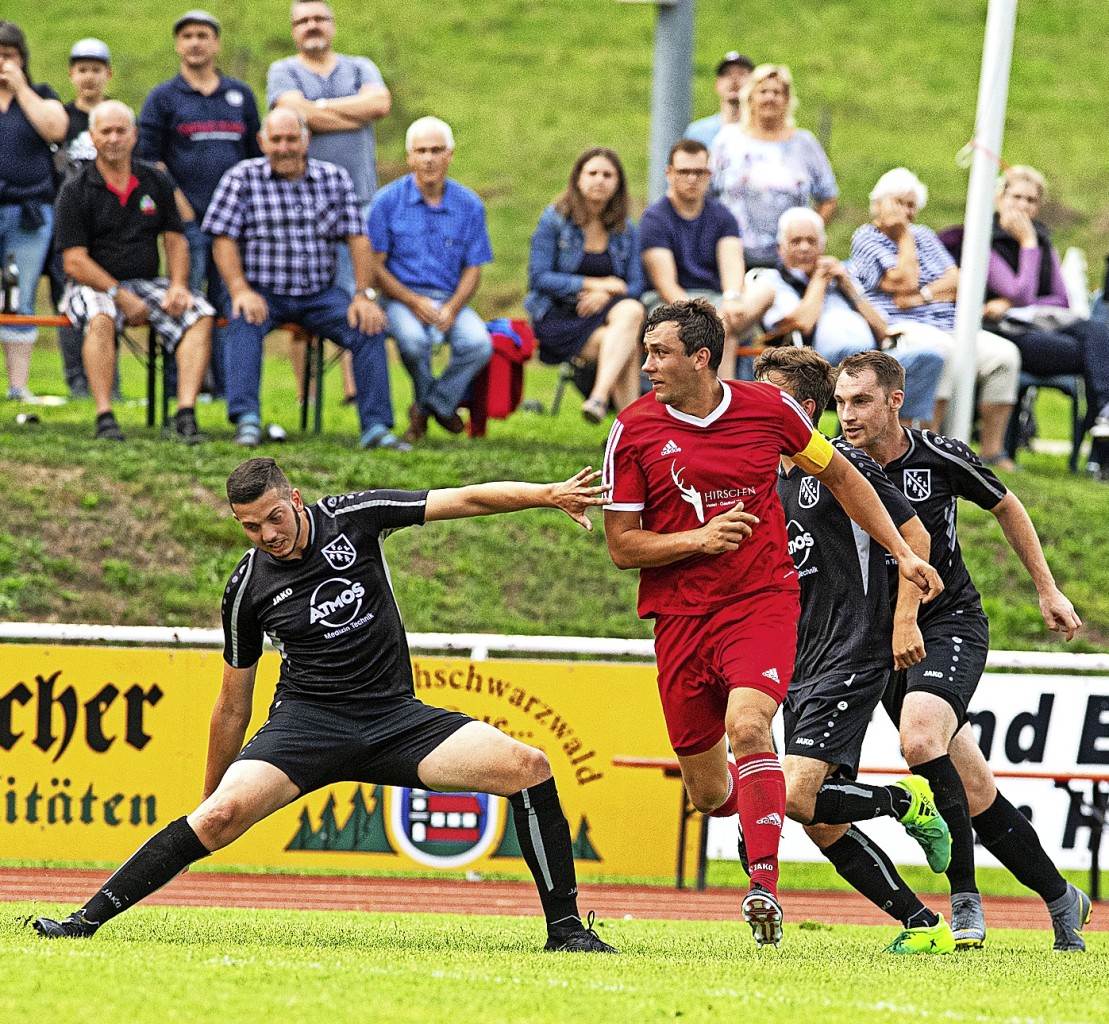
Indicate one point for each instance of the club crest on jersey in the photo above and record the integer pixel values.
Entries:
(689, 493)
(810, 492)
(340, 553)
(443, 830)
(918, 484)
(670, 448)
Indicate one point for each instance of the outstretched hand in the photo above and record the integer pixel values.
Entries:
(578, 493)
(918, 571)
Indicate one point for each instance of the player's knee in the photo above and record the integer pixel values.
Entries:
(749, 734)
(532, 766)
(800, 804)
(919, 747)
(218, 823)
(707, 798)
(825, 835)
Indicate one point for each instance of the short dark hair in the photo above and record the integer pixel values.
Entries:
(811, 377)
(12, 35)
(689, 146)
(889, 373)
(253, 478)
(699, 326)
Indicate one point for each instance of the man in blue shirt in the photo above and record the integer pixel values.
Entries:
(197, 125)
(429, 243)
(691, 249)
(278, 222)
(731, 76)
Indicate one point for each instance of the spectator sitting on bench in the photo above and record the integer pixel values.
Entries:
(585, 277)
(429, 242)
(691, 250)
(815, 294)
(278, 221)
(1027, 299)
(909, 277)
(110, 216)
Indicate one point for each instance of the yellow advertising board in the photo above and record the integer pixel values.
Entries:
(101, 747)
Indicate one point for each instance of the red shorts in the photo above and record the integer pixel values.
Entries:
(702, 658)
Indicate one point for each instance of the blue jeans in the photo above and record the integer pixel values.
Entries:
(344, 267)
(470, 347)
(203, 268)
(325, 315)
(29, 249)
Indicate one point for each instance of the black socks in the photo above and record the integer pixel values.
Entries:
(545, 842)
(871, 872)
(154, 864)
(1010, 837)
(951, 802)
(842, 801)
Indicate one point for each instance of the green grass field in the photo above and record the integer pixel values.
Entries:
(157, 964)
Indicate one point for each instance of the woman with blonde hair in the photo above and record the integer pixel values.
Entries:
(765, 164)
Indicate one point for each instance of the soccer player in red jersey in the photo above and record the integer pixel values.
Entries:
(693, 470)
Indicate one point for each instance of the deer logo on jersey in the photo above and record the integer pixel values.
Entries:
(690, 494)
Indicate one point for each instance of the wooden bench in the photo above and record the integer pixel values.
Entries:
(1092, 807)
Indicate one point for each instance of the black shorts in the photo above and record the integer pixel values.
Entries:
(317, 745)
(826, 718)
(957, 645)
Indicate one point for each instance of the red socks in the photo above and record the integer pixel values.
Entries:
(761, 798)
(730, 805)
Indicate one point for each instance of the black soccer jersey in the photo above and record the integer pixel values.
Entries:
(846, 622)
(331, 614)
(933, 474)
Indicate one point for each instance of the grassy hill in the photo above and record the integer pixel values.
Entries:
(527, 85)
(140, 534)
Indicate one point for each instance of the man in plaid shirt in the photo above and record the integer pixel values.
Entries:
(277, 222)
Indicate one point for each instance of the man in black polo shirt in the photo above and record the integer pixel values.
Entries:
(109, 218)
(848, 640)
(928, 700)
(345, 709)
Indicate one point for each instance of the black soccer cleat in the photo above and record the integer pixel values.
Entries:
(581, 940)
(76, 926)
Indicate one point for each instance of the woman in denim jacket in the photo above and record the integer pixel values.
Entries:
(585, 278)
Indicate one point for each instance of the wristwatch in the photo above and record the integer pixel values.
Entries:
(113, 291)
(732, 295)
(370, 293)
(322, 102)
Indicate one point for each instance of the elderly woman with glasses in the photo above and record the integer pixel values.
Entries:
(910, 278)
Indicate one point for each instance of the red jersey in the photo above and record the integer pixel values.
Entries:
(679, 471)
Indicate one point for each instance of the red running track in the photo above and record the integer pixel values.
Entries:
(451, 896)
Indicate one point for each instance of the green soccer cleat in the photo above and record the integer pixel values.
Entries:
(934, 940)
(925, 824)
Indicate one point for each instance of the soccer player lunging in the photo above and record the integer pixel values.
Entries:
(345, 707)
(693, 470)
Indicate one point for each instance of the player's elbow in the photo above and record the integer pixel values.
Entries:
(621, 558)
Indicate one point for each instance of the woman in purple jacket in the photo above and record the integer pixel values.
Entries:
(1024, 272)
